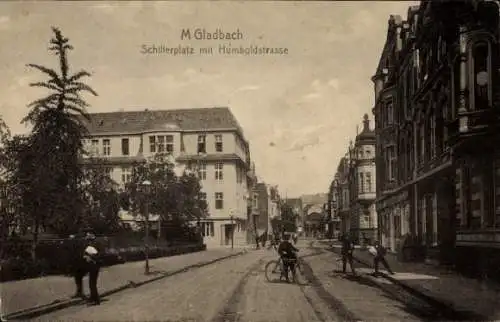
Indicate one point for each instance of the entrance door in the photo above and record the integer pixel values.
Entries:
(228, 233)
(446, 220)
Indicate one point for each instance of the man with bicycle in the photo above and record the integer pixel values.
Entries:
(288, 255)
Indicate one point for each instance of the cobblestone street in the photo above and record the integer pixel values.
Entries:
(236, 289)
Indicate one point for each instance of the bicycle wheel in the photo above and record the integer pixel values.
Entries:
(273, 270)
(294, 273)
(298, 264)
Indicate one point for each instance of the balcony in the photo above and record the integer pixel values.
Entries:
(473, 124)
(366, 195)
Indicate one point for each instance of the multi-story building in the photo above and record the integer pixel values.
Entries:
(362, 190)
(252, 214)
(340, 188)
(436, 111)
(296, 205)
(265, 206)
(209, 138)
(332, 209)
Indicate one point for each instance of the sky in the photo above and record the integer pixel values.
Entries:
(298, 111)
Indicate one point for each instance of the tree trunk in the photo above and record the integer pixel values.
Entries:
(5, 232)
(35, 239)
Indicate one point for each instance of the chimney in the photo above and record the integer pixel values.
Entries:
(366, 123)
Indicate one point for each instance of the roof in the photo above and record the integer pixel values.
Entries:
(367, 134)
(294, 202)
(195, 119)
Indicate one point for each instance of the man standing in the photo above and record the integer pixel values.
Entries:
(77, 263)
(347, 250)
(91, 256)
(379, 254)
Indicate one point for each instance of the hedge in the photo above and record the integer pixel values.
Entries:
(54, 259)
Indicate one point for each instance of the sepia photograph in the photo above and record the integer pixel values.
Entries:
(251, 161)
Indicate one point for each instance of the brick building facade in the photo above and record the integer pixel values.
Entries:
(436, 111)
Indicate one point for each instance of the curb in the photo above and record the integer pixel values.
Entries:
(62, 304)
(447, 307)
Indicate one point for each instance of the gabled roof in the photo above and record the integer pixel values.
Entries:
(394, 21)
(196, 119)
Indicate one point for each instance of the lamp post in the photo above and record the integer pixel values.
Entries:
(232, 232)
(146, 186)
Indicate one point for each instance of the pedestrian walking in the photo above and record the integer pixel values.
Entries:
(91, 256)
(347, 254)
(78, 266)
(379, 252)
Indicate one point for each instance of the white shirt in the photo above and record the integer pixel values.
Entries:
(90, 250)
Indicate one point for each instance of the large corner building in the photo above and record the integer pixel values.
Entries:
(437, 93)
(209, 138)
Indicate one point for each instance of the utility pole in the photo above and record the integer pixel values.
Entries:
(146, 185)
(232, 232)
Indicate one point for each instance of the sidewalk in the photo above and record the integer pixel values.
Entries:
(27, 294)
(446, 286)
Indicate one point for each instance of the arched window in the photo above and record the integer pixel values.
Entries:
(456, 88)
(480, 81)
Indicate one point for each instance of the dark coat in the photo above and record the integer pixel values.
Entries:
(347, 247)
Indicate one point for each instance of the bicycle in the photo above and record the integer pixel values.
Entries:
(275, 268)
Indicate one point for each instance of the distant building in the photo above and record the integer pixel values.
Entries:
(362, 190)
(265, 206)
(209, 139)
(334, 219)
(340, 188)
(314, 213)
(296, 205)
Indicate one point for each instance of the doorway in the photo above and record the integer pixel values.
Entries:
(228, 233)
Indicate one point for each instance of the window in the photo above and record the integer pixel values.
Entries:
(239, 175)
(389, 110)
(368, 182)
(203, 196)
(218, 143)
(106, 147)
(207, 229)
(94, 149)
(152, 144)
(169, 139)
(160, 144)
(108, 172)
(481, 83)
(361, 155)
(422, 143)
(391, 163)
(255, 200)
(219, 200)
(219, 171)
(126, 175)
(202, 148)
(125, 147)
(361, 183)
(456, 89)
(432, 147)
(202, 171)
